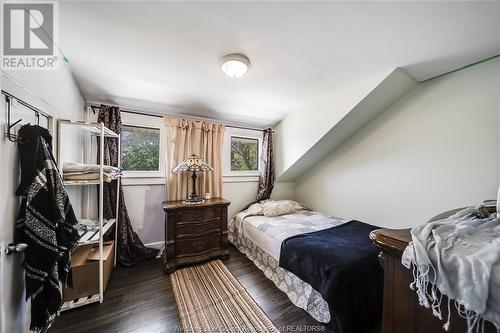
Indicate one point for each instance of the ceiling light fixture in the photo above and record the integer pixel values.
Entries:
(235, 65)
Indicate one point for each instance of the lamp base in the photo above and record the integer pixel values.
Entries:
(193, 198)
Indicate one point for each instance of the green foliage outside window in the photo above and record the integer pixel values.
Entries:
(140, 149)
(244, 154)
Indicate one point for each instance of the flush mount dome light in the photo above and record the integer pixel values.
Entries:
(235, 65)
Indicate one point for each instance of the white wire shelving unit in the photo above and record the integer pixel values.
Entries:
(93, 236)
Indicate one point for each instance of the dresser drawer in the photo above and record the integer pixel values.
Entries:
(197, 246)
(204, 215)
(193, 229)
(194, 233)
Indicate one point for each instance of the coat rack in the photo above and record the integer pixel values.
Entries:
(8, 98)
(94, 108)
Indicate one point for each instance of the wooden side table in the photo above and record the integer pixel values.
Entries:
(402, 311)
(194, 232)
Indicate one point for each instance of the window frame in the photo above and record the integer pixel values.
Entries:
(144, 121)
(230, 175)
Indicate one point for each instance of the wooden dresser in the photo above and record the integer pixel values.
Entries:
(401, 310)
(194, 232)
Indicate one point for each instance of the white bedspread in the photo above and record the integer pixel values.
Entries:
(260, 238)
(269, 232)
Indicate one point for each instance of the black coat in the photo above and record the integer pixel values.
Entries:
(46, 223)
(30, 157)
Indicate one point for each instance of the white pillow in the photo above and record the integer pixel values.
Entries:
(277, 208)
(255, 209)
(297, 205)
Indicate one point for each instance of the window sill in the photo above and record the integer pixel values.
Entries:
(143, 174)
(240, 179)
(137, 181)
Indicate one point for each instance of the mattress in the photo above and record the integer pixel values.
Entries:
(260, 238)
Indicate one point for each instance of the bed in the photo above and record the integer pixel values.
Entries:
(261, 239)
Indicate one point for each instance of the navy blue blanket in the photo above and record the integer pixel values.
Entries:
(341, 263)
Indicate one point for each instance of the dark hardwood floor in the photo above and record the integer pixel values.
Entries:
(140, 300)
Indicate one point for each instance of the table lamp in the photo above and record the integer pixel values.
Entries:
(193, 164)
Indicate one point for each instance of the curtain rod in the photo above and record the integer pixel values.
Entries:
(95, 107)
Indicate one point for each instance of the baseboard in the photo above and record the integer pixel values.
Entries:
(155, 245)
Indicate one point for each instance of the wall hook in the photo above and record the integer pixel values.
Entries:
(11, 136)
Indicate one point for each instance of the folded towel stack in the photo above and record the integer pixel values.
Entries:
(85, 225)
(82, 172)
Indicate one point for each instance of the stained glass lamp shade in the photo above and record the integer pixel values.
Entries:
(193, 164)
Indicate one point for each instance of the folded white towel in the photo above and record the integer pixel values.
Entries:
(70, 167)
(90, 176)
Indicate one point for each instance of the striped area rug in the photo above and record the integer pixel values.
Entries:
(210, 299)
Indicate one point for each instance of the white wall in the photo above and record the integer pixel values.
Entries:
(59, 90)
(435, 149)
(145, 209)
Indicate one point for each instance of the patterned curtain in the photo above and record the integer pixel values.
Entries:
(266, 178)
(130, 248)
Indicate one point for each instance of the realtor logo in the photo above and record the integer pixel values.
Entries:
(29, 36)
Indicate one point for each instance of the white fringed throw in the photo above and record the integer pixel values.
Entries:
(456, 257)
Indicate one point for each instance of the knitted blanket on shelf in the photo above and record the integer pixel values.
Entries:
(458, 257)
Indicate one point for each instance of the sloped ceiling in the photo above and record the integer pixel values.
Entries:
(163, 57)
(395, 85)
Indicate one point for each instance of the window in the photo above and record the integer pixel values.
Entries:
(142, 148)
(244, 154)
(241, 154)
